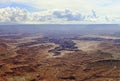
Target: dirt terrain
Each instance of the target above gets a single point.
(87, 45)
(40, 58)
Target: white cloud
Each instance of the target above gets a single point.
(13, 15)
(110, 7)
(17, 15)
(62, 11)
(4, 1)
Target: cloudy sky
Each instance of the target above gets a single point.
(59, 11)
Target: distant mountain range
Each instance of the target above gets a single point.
(71, 28)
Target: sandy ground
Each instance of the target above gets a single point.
(87, 45)
(98, 36)
(29, 39)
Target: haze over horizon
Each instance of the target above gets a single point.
(59, 12)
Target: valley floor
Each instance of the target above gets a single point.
(39, 58)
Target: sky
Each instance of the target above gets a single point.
(60, 11)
